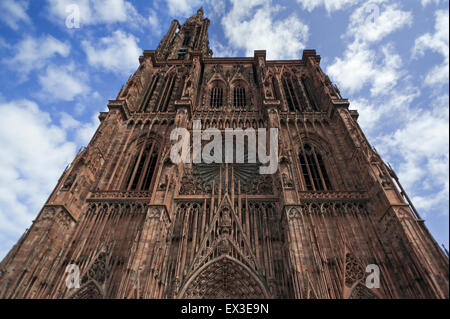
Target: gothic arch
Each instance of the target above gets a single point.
(90, 290)
(217, 77)
(244, 95)
(133, 158)
(315, 166)
(224, 277)
(142, 138)
(217, 82)
(326, 149)
(360, 291)
(317, 141)
(293, 97)
(166, 89)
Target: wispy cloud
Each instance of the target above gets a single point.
(252, 26)
(14, 13)
(117, 53)
(34, 53)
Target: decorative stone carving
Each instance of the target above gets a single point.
(224, 278)
(99, 270)
(359, 291)
(88, 291)
(225, 230)
(353, 270)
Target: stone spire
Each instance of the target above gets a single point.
(182, 40)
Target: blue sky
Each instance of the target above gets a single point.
(389, 57)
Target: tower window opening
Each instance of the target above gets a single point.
(313, 169)
(166, 94)
(150, 92)
(216, 97)
(239, 99)
(142, 168)
(308, 89)
(290, 94)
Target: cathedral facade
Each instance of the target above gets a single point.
(125, 221)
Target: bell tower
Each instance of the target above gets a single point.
(182, 40)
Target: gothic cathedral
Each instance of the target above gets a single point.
(128, 222)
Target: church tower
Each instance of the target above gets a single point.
(125, 221)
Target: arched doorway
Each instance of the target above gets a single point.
(224, 278)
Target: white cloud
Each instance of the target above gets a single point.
(427, 2)
(83, 131)
(182, 7)
(423, 143)
(34, 153)
(154, 22)
(96, 11)
(217, 8)
(373, 21)
(362, 65)
(251, 26)
(386, 77)
(63, 82)
(117, 53)
(355, 69)
(220, 50)
(14, 12)
(330, 5)
(384, 110)
(34, 53)
(436, 42)
(415, 139)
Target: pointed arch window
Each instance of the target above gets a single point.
(142, 168)
(166, 94)
(306, 82)
(239, 98)
(216, 99)
(313, 169)
(292, 96)
(276, 93)
(150, 92)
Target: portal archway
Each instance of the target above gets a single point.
(224, 278)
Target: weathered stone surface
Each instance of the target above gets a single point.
(139, 226)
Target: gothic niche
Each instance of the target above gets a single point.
(95, 278)
(165, 174)
(285, 176)
(224, 231)
(70, 180)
